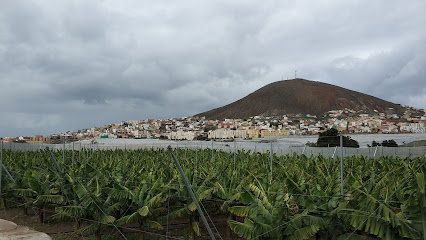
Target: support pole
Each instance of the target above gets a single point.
(341, 165)
(375, 151)
(334, 153)
(10, 177)
(271, 155)
(188, 186)
(54, 161)
(212, 152)
(63, 151)
(8, 174)
(72, 163)
(1, 168)
(235, 149)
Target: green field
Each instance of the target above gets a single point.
(108, 191)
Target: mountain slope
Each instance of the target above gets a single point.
(299, 96)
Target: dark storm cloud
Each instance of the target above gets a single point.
(73, 64)
(396, 75)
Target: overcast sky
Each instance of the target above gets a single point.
(67, 65)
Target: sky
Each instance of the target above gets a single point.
(67, 65)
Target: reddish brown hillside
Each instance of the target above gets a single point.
(298, 96)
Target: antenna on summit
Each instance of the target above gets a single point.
(295, 74)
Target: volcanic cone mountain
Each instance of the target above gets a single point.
(299, 96)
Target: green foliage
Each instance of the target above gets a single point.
(389, 143)
(331, 138)
(385, 143)
(384, 197)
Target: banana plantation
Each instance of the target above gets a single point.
(138, 193)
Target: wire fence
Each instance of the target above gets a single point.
(260, 147)
(272, 148)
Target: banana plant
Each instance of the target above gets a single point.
(41, 190)
(145, 203)
(269, 215)
(93, 205)
(365, 210)
(201, 184)
(414, 205)
(228, 194)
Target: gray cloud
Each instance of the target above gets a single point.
(68, 65)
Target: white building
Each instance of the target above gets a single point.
(181, 135)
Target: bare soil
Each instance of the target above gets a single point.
(65, 230)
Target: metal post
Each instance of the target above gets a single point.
(7, 173)
(235, 146)
(212, 152)
(341, 165)
(188, 186)
(375, 151)
(10, 176)
(1, 169)
(271, 156)
(54, 161)
(303, 149)
(334, 153)
(72, 163)
(63, 152)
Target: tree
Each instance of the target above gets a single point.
(331, 138)
(389, 143)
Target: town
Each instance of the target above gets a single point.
(193, 128)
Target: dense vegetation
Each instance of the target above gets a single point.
(331, 138)
(384, 198)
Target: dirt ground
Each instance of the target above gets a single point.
(65, 230)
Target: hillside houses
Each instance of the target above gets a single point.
(190, 128)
